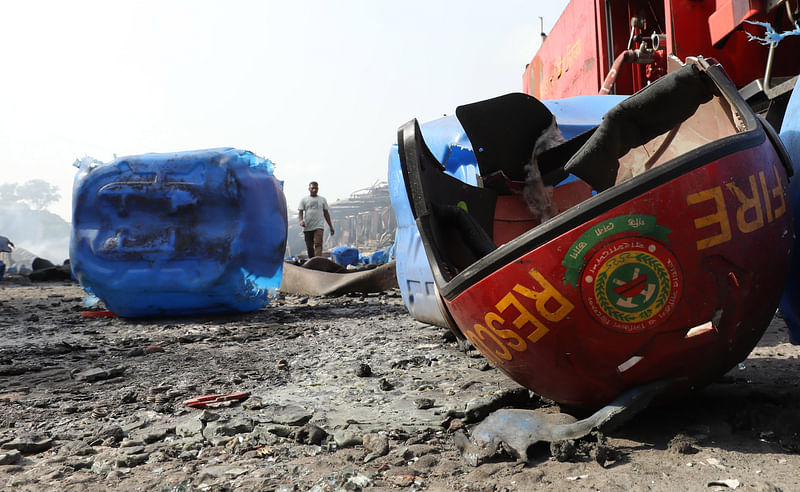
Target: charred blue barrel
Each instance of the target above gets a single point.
(790, 135)
(179, 233)
(345, 255)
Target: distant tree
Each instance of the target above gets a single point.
(36, 194)
(8, 192)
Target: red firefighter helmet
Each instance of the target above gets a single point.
(666, 257)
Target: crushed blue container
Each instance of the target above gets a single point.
(380, 257)
(450, 145)
(790, 136)
(179, 233)
(345, 255)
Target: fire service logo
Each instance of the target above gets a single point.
(629, 284)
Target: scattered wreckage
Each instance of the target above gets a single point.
(320, 276)
(179, 233)
(665, 259)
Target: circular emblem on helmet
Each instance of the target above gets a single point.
(631, 284)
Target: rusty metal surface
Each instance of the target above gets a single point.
(568, 63)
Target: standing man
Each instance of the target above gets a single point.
(312, 210)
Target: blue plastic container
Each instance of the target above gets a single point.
(790, 135)
(180, 233)
(345, 255)
(449, 143)
(380, 257)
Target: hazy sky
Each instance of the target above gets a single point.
(318, 87)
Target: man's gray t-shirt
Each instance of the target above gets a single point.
(312, 207)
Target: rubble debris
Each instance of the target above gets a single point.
(29, 444)
(477, 409)
(310, 434)
(424, 403)
(347, 439)
(97, 314)
(291, 415)
(145, 444)
(10, 457)
(376, 444)
(682, 444)
(732, 484)
(518, 430)
(98, 374)
(363, 370)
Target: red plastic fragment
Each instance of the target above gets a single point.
(202, 401)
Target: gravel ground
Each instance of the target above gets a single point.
(344, 393)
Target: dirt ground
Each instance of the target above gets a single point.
(345, 393)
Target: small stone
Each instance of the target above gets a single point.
(129, 397)
(10, 457)
(12, 370)
(113, 433)
(310, 434)
(208, 416)
(358, 482)
(132, 450)
(236, 471)
(376, 444)
(385, 385)
(101, 467)
(346, 439)
(292, 415)
(418, 450)
(455, 424)
(563, 450)
(98, 374)
(130, 443)
(682, 444)
(153, 433)
(253, 403)
(731, 483)
(29, 444)
(137, 352)
(187, 455)
(238, 425)
(68, 409)
(76, 448)
(426, 462)
(280, 430)
(190, 426)
(424, 403)
(401, 480)
(477, 409)
(213, 472)
(363, 370)
(131, 460)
